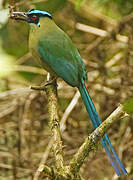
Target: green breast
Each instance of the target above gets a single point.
(56, 53)
(36, 33)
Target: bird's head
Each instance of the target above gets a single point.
(32, 16)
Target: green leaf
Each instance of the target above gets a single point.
(128, 106)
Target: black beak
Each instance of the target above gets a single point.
(20, 16)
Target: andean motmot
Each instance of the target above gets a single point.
(52, 47)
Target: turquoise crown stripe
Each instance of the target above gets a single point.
(35, 11)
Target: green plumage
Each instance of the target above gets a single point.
(56, 52)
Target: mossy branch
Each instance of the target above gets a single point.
(93, 138)
(51, 92)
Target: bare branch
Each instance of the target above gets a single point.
(68, 111)
(31, 69)
(99, 32)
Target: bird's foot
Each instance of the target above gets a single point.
(53, 81)
(43, 86)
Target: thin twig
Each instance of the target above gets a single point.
(114, 60)
(30, 69)
(7, 166)
(14, 92)
(99, 32)
(24, 58)
(9, 110)
(43, 160)
(68, 111)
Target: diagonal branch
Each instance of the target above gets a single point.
(93, 138)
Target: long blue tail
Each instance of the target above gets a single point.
(115, 161)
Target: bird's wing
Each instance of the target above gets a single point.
(58, 52)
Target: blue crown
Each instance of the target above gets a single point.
(42, 13)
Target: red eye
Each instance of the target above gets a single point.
(34, 18)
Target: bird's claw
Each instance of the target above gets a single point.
(51, 82)
(43, 86)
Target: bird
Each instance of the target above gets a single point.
(56, 53)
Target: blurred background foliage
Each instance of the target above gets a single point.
(108, 55)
